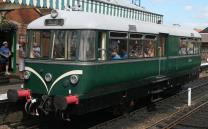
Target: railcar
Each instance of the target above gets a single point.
(81, 62)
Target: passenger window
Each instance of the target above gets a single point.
(118, 45)
(183, 46)
(149, 46)
(190, 47)
(135, 46)
(196, 46)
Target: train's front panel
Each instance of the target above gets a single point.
(52, 79)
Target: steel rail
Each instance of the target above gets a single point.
(200, 83)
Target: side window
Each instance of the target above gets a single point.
(150, 46)
(197, 46)
(189, 46)
(135, 46)
(118, 45)
(183, 46)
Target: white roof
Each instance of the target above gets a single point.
(84, 20)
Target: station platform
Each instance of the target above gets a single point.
(9, 82)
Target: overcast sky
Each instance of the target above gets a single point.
(189, 13)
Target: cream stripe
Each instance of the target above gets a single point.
(38, 75)
(74, 72)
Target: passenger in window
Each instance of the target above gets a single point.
(124, 54)
(183, 50)
(136, 50)
(190, 48)
(115, 44)
(36, 50)
(115, 55)
(151, 52)
(146, 52)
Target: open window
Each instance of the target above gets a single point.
(135, 45)
(150, 46)
(118, 45)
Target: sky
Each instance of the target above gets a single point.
(188, 13)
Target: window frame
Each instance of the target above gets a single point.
(117, 38)
(188, 40)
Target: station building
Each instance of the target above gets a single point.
(14, 19)
(204, 46)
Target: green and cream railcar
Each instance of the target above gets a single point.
(81, 62)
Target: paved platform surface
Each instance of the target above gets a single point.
(13, 83)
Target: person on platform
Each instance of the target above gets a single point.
(5, 54)
(21, 59)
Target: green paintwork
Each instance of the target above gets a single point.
(99, 76)
(14, 41)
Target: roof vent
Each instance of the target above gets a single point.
(77, 8)
(177, 25)
(132, 28)
(159, 22)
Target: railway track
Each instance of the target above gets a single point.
(196, 119)
(180, 117)
(164, 109)
(140, 118)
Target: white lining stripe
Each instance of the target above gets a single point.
(74, 72)
(38, 75)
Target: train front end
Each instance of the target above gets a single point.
(53, 75)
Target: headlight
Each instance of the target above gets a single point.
(54, 13)
(48, 77)
(26, 75)
(74, 79)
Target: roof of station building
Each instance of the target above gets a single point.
(125, 3)
(204, 31)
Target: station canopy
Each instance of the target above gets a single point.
(118, 8)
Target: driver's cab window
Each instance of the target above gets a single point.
(59, 45)
(39, 45)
